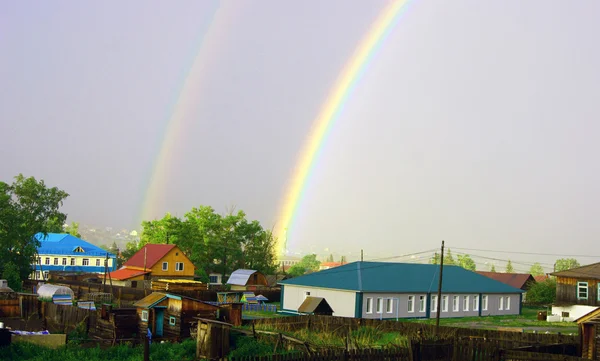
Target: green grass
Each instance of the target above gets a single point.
(23, 351)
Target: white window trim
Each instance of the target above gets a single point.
(64, 261)
(144, 315)
(172, 321)
(73, 262)
(582, 285)
(379, 305)
(411, 304)
(444, 303)
(165, 266)
(475, 303)
(508, 303)
(177, 266)
(434, 303)
(83, 262)
(484, 303)
(55, 261)
(47, 260)
(97, 262)
(389, 305)
(455, 303)
(369, 305)
(466, 303)
(422, 304)
(501, 304)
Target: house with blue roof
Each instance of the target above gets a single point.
(386, 290)
(66, 253)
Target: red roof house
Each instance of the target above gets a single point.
(516, 280)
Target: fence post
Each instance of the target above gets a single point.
(146, 348)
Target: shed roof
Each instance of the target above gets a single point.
(310, 304)
(592, 316)
(400, 277)
(240, 277)
(591, 271)
(516, 280)
(66, 244)
(126, 273)
(157, 297)
(149, 255)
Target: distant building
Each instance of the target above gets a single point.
(247, 280)
(521, 281)
(577, 292)
(66, 253)
(328, 265)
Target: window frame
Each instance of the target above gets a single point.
(85, 262)
(47, 261)
(64, 261)
(97, 262)
(434, 303)
(410, 305)
(455, 303)
(389, 305)
(56, 261)
(580, 286)
(507, 303)
(466, 303)
(422, 304)
(379, 305)
(165, 266)
(484, 302)
(475, 303)
(72, 261)
(369, 305)
(146, 314)
(445, 303)
(172, 321)
(177, 266)
(501, 304)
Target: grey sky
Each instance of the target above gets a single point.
(475, 122)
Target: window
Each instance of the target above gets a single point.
(444, 303)
(484, 302)
(455, 305)
(165, 266)
(40, 260)
(466, 303)
(565, 314)
(507, 303)
(64, 261)
(379, 304)
(582, 290)
(389, 305)
(213, 279)
(172, 321)
(501, 303)
(475, 303)
(306, 294)
(145, 316)
(421, 303)
(369, 305)
(411, 303)
(179, 266)
(72, 261)
(56, 261)
(86, 262)
(78, 250)
(98, 262)
(434, 303)
(47, 260)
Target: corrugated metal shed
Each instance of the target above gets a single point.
(400, 277)
(240, 277)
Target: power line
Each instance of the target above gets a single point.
(526, 253)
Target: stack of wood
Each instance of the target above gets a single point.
(165, 285)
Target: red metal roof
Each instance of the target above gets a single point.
(516, 280)
(126, 273)
(152, 252)
(541, 278)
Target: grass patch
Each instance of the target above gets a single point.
(23, 351)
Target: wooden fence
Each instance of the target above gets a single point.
(64, 319)
(333, 355)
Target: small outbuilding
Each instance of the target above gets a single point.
(247, 280)
(9, 302)
(169, 315)
(315, 306)
(58, 294)
(589, 333)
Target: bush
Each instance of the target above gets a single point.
(542, 293)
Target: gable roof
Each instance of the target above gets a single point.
(126, 273)
(240, 277)
(541, 278)
(66, 244)
(591, 271)
(312, 304)
(516, 280)
(157, 297)
(400, 277)
(151, 252)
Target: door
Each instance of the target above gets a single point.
(160, 315)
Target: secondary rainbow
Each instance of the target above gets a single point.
(328, 114)
(155, 193)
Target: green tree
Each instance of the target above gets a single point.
(307, 264)
(435, 259)
(330, 258)
(564, 264)
(27, 207)
(448, 259)
(542, 293)
(509, 267)
(493, 269)
(537, 269)
(466, 262)
(73, 230)
(343, 260)
(11, 274)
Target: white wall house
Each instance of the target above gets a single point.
(400, 290)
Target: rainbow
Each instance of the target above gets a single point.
(153, 202)
(330, 111)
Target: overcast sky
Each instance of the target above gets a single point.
(476, 122)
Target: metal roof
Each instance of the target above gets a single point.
(591, 271)
(149, 255)
(400, 278)
(66, 244)
(310, 304)
(240, 277)
(150, 300)
(516, 280)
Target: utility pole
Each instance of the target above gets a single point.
(361, 255)
(439, 293)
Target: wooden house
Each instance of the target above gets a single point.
(171, 316)
(115, 324)
(152, 262)
(589, 333)
(247, 280)
(577, 292)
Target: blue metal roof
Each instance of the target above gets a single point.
(400, 278)
(240, 277)
(66, 244)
